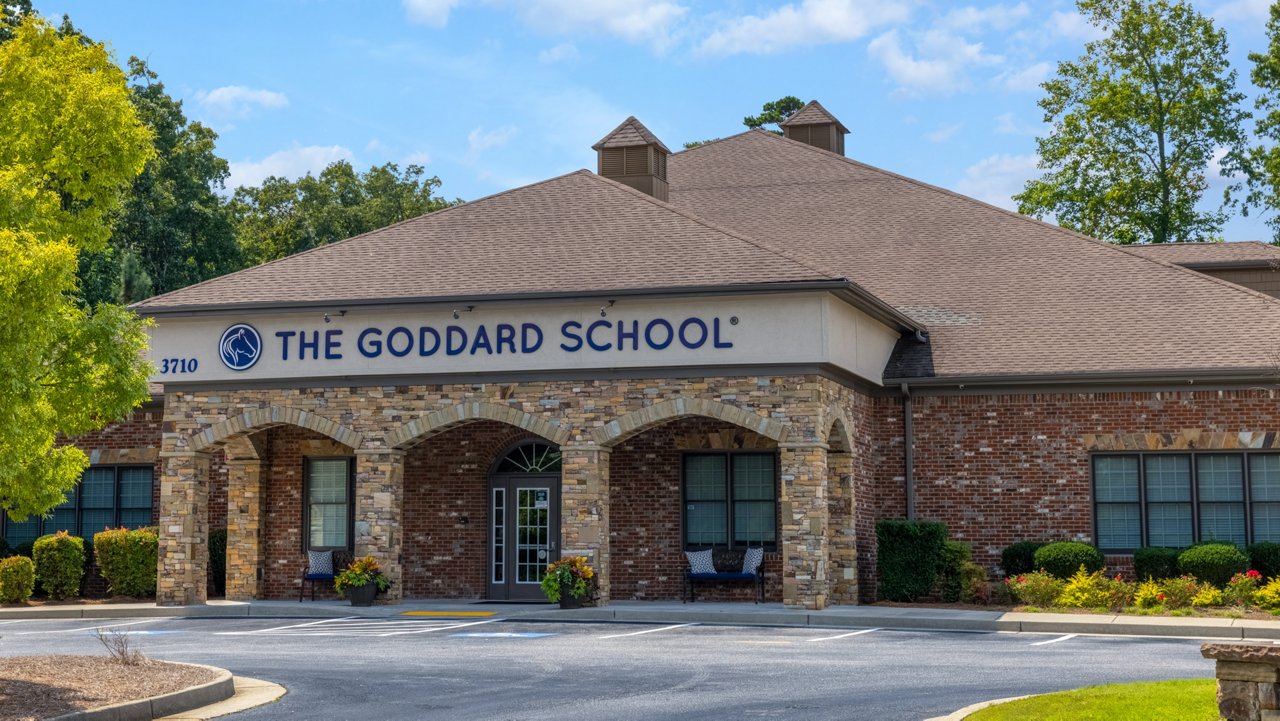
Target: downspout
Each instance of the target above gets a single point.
(908, 453)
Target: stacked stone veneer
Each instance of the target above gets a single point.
(381, 425)
(1248, 680)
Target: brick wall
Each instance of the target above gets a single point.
(645, 538)
(446, 509)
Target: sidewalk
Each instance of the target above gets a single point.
(733, 614)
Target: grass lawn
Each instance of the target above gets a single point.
(1183, 700)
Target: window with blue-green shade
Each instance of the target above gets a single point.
(105, 497)
(731, 499)
(1116, 495)
(329, 503)
(1264, 491)
(1220, 484)
(1168, 480)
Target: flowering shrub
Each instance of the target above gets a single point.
(361, 572)
(1148, 594)
(1242, 587)
(1037, 588)
(572, 574)
(17, 579)
(1269, 595)
(1085, 590)
(1208, 595)
(1179, 591)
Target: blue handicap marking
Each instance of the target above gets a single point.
(496, 634)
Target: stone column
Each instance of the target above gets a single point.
(245, 495)
(584, 504)
(1248, 680)
(804, 512)
(182, 568)
(842, 537)
(379, 505)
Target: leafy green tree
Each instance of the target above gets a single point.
(1266, 158)
(774, 113)
(1136, 121)
(282, 217)
(72, 146)
(12, 13)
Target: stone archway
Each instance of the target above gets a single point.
(655, 415)
(437, 421)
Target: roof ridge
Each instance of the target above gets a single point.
(735, 234)
(148, 301)
(713, 141)
(1026, 218)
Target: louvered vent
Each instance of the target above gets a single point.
(813, 125)
(637, 160)
(662, 164)
(632, 156)
(612, 162)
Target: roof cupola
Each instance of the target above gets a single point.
(813, 125)
(633, 156)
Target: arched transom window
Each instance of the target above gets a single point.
(531, 458)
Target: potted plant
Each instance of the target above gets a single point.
(362, 579)
(571, 580)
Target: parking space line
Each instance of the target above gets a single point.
(447, 614)
(1055, 640)
(92, 628)
(281, 628)
(649, 630)
(844, 635)
(439, 628)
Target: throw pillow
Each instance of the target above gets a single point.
(700, 561)
(752, 559)
(320, 562)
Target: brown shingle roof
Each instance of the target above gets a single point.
(813, 114)
(630, 133)
(1200, 255)
(575, 233)
(999, 292)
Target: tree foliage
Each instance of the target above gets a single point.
(1266, 158)
(72, 145)
(1136, 121)
(283, 217)
(773, 113)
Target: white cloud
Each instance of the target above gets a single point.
(375, 145)
(1028, 78)
(559, 53)
(238, 101)
(648, 22)
(939, 65)
(1073, 26)
(420, 157)
(432, 13)
(292, 163)
(995, 179)
(480, 140)
(809, 23)
(943, 133)
(1007, 124)
(972, 19)
(1256, 10)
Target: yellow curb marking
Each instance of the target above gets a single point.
(448, 613)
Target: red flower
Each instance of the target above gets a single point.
(1160, 597)
(1253, 574)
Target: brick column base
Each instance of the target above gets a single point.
(584, 503)
(378, 509)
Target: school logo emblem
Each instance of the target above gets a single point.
(240, 347)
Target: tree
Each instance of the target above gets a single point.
(1136, 122)
(771, 114)
(283, 217)
(1266, 158)
(72, 145)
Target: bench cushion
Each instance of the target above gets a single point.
(723, 576)
(700, 562)
(318, 577)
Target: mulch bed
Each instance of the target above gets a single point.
(40, 687)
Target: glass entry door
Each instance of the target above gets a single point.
(524, 522)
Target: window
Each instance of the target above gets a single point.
(1176, 499)
(730, 499)
(106, 497)
(329, 489)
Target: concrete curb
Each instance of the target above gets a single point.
(219, 689)
(971, 709)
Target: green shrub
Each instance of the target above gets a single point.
(951, 570)
(218, 560)
(1179, 592)
(1264, 557)
(1213, 562)
(59, 560)
(909, 555)
(24, 549)
(1155, 562)
(127, 559)
(1020, 557)
(1063, 558)
(1268, 596)
(1242, 588)
(17, 579)
(1148, 594)
(975, 584)
(1085, 590)
(1208, 595)
(1035, 588)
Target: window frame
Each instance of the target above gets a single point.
(306, 503)
(1193, 457)
(44, 525)
(729, 499)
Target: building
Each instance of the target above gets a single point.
(757, 341)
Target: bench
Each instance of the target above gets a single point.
(722, 565)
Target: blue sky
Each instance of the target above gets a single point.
(491, 94)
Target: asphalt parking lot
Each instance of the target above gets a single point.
(485, 668)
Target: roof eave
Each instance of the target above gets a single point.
(1262, 377)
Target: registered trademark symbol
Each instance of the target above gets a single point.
(733, 320)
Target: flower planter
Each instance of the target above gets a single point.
(567, 601)
(363, 595)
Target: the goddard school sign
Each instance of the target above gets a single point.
(754, 330)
